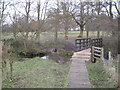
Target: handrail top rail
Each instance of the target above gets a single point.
(82, 38)
(88, 38)
(96, 38)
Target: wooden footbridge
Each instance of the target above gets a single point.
(78, 75)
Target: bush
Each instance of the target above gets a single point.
(17, 44)
(6, 41)
(14, 44)
(110, 43)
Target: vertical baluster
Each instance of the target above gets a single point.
(80, 44)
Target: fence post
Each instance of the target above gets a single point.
(110, 59)
(102, 54)
(92, 51)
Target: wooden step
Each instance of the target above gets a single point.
(84, 54)
(80, 59)
(81, 56)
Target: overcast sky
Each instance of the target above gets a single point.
(51, 3)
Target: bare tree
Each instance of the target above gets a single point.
(41, 11)
(57, 21)
(2, 13)
(14, 20)
(112, 4)
(66, 16)
(87, 28)
(27, 11)
(98, 9)
(3, 6)
(81, 21)
(25, 28)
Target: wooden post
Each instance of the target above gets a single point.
(102, 54)
(92, 49)
(92, 52)
(101, 42)
(110, 59)
(80, 44)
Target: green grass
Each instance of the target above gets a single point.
(115, 64)
(38, 73)
(98, 77)
(45, 36)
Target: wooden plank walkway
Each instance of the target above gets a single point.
(78, 76)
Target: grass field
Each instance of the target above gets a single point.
(98, 76)
(38, 73)
(46, 35)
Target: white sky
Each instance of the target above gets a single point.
(51, 2)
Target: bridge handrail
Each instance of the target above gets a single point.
(84, 43)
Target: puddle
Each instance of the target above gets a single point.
(44, 57)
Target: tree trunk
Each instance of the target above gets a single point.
(98, 34)
(57, 22)
(98, 12)
(25, 45)
(37, 38)
(15, 37)
(27, 26)
(87, 32)
(81, 32)
(66, 16)
(56, 34)
(38, 27)
(66, 30)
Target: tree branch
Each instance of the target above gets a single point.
(75, 19)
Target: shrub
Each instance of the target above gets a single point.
(10, 56)
(110, 43)
(17, 44)
(7, 41)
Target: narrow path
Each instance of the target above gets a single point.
(78, 76)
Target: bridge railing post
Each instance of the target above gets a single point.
(92, 54)
(102, 54)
